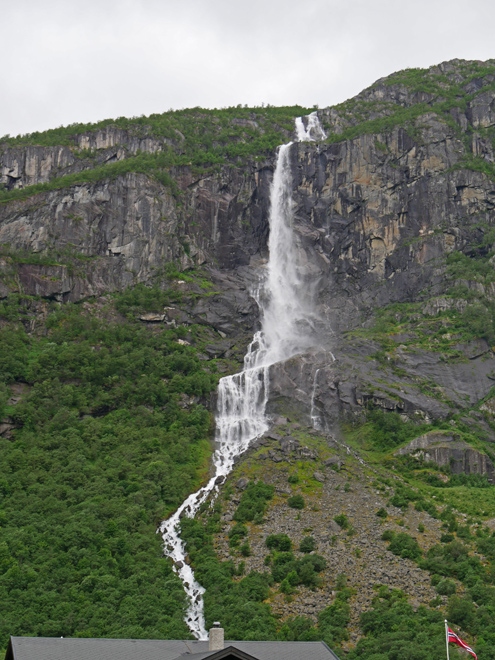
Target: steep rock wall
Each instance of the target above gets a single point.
(376, 226)
(376, 217)
(444, 450)
(131, 227)
(31, 165)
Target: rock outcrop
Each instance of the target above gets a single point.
(444, 450)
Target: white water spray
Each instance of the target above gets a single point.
(288, 328)
(312, 131)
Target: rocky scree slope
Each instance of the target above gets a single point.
(335, 485)
(373, 527)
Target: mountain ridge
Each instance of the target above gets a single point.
(394, 217)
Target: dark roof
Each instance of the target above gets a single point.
(67, 648)
(228, 653)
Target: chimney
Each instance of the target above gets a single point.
(216, 637)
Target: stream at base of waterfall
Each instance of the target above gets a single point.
(287, 322)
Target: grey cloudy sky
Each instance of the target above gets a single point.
(65, 61)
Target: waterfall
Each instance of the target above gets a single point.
(288, 328)
(312, 131)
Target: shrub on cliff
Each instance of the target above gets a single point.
(306, 569)
(298, 629)
(446, 587)
(487, 547)
(388, 535)
(405, 546)
(253, 502)
(236, 533)
(278, 542)
(333, 620)
(388, 430)
(341, 520)
(462, 612)
(296, 502)
(308, 544)
(256, 586)
(394, 630)
(453, 560)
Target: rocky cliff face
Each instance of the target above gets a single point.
(133, 226)
(32, 165)
(403, 182)
(378, 217)
(444, 450)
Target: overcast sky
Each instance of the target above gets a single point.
(66, 61)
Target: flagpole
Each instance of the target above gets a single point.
(447, 638)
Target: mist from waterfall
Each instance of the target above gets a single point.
(287, 328)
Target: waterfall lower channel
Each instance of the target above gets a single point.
(288, 328)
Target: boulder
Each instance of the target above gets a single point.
(333, 461)
(152, 318)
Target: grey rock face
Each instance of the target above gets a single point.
(129, 226)
(26, 166)
(364, 223)
(444, 450)
(289, 444)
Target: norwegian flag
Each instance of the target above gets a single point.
(455, 639)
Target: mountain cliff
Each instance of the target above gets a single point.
(162, 223)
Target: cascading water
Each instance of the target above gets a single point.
(312, 131)
(287, 322)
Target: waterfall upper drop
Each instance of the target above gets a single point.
(312, 131)
(286, 310)
(287, 328)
